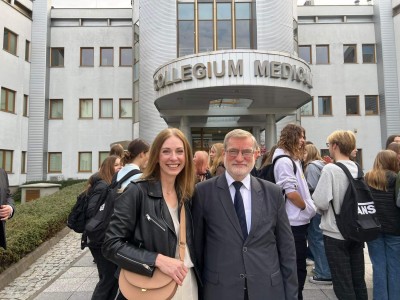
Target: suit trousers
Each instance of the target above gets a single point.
(300, 240)
(346, 261)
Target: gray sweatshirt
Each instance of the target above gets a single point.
(313, 173)
(332, 186)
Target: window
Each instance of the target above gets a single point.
(125, 108)
(106, 108)
(23, 162)
(85, 162)
(7, 100)
(206, 28)
(368, 52)
(324, 106)
(305, 53)
(10, 41)
(27, 50)
(102, 156)
(352, 105)
(185, 29)
(86, 108)
(350, 54)
(322, 54)
(57, 57)
(25, 108)
(307, 109)
(55, 162)
(56, 109)
(243, 25)
(371, 105)
(125, 56)
(87, 57)
(6, 158)
(106, 57)
(324, 152)
(224, 26)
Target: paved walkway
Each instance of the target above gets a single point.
(67, 273)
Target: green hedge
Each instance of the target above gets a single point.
(36, 222)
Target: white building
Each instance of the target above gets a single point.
(253, 64)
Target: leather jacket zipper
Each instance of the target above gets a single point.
(154, 221)
(146, 266)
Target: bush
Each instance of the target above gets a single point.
(36, 222)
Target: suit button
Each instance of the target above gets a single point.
(244, 249)
(242, 276)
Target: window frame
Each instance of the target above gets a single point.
(80, 111)
(328, 54)
(355, 53)
(8, 41)
(79, 162)
(310, 53)
(374, 53)
(81, 52)
(52, 55)
(350, 97)
(49, 155)
(119, 108)
(3, 163)
(8, 91)
(330, 102)
(101, 57)
(120, 57)
(25, 106)
(52, 101)
(377, 105)
(100, 106)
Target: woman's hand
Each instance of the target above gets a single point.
(174, 268)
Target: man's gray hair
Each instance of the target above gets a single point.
(239, 133)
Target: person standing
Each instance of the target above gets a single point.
(7, 207)
(345, 257)
(243, 241)
(385, 250)
(217, 159)
(300, 207)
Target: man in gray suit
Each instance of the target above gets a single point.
(7, 207)
(243, 241)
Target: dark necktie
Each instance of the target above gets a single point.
(239, 207)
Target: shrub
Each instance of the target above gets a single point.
(35, 222)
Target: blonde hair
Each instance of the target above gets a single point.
(218, 158)
(386, 160)
(345, 140)
(185, 180)
(312, 154)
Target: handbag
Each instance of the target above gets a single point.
(160, 286)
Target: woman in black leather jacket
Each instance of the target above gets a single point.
(143, 232)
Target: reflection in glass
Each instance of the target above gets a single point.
(322, 55)
(368, 53)
(186, 11)
(305, 53)
(126, 56)
(223, 11)
(243, 31)
(243, 11)
(352, 105)
(224, 34)
(186, 38)
(324, 106)
(206, 41)
(205, 11)
(307, 109)
(106, 56)
(371, 105)
(349, 53)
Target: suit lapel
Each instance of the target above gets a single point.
(226, 200)
(257, 198)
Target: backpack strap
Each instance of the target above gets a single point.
(126, 177)
(347, 172)
(284, 155)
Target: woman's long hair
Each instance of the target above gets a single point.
(135, 147)
(218, 158)
(312, 154)
(385, 161)
(185, 180)
(289, 140)
(106, 172)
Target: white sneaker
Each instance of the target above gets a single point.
(309, 262)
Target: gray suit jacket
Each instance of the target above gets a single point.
(266, 259)
(5, 198)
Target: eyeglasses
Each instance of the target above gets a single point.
(247, 153)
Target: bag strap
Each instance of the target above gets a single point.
(182, 233)
(284, 155)
(126, 177)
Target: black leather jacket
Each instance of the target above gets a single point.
(142, 227)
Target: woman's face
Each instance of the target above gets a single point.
(212, 153)
(172, 157)
(117, 165)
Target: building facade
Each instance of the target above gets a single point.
(79, 79)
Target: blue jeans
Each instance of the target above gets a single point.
(316, 245)
(385, 257)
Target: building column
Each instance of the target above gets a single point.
(270, 132)
(185, 128)
(256, 133)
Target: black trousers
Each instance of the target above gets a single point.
(300, 240)
(346, 261)
(107, 287)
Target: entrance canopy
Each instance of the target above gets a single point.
(232, 88)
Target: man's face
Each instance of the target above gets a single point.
(239, 157)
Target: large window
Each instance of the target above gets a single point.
(106, 57)
(87, 57)
(125, 108)
(86, 108)
(7, 100)
(25, 107)
(243, 25)
(106, 108)
(368, 53)
(56, 109)
(85, 162)
(350, 53)
(307, 109)
(322, 54)
(23, 162)
(186, 29)
(224, 26)
(27, 50)
(10, 41)
(371, 105)
(57, 57)
(55, 162)
(324, 106)
(125, 56)
(352, 106)
(305, 53)
(6, 158)
(206, 27)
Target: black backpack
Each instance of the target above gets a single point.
(77, 217)
(267, 172)
(357, 220)
(96, 227)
